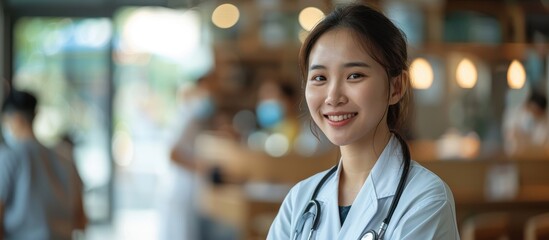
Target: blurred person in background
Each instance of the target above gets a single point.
(179, 206)
(40, 191)
(276, 108)
(277, 113)
(357, 89)
(526, 128)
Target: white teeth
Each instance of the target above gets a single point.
(338, 118)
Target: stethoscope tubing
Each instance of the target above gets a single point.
(315, 203)
(385, 223)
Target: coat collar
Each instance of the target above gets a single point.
(381, 183)
(384, 176)
(386, 172)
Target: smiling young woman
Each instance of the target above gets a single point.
(354, 66)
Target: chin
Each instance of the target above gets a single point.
(339, 141)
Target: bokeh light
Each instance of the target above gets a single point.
(466, 74)
(277, 145)
(421, 73)
(225, 15)
(516, 76)
(309, 17)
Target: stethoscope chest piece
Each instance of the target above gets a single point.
(370, 235)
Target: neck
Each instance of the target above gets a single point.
(358, 159)
(357, 162)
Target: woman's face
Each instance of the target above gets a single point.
(346, 89)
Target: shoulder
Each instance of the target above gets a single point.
(426, 209)
(57, 155)
(425, 186)
(7, 157)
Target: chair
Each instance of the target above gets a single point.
(486, 226)
(537, 227)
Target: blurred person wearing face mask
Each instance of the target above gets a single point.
(527, 128)
(40, 191)
(276, 109)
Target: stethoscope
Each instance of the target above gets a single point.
(369, 235)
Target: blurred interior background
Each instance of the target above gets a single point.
(118, 76)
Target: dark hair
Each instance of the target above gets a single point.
(20, 102)
(382, 39)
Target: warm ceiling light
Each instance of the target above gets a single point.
(466, 74)
(516, 76)
(309, 17)
(225, 15)
(421, 74)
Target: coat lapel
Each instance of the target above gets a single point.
(381, 183)
(329, 197)
(363, 210)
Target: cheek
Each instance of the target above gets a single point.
(310, 98)
(371, 97)
(375, 94)
(314, 102)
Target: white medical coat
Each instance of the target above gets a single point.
(425, 211)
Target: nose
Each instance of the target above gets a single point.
(336, 95)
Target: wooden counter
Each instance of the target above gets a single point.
(468, 182)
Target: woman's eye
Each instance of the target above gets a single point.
(318, 78)
(355, 76)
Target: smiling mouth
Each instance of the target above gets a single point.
(340, 117)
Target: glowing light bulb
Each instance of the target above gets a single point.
(466, 74)
(516, 76)
(421, 73)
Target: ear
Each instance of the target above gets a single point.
(399, 86)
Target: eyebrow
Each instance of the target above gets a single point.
(356, 64)
(346, 65)
(316, 66)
